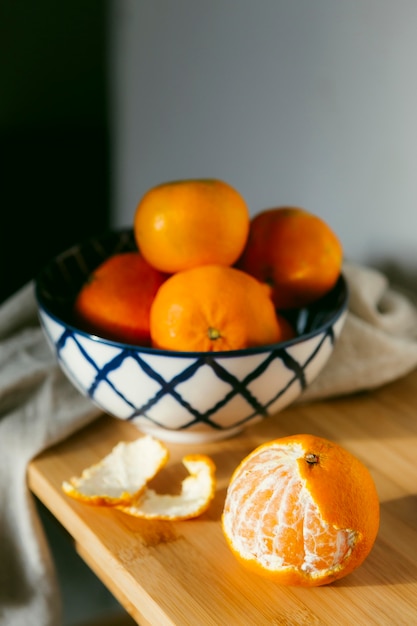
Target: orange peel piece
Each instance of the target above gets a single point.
(197, 491)
(121, 476)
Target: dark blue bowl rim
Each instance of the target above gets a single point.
(339, 293)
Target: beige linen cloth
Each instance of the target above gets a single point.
(38, 408)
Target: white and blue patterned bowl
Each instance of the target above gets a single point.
(180, 396)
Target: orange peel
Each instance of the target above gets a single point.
(197, 491)
(121, 475)
(120, 480)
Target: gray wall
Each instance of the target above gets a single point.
(294, 102)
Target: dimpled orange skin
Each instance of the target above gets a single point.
(115, 301)
(213, 308)
(295, 252)
(182, 224)
(341, 488)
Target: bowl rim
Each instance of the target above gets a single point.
(341, 285)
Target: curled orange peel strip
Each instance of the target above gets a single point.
(121, 475)
(120, 480)
(197, 491)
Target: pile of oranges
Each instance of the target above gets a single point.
(205, 277)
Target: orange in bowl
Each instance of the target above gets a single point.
(182, 224)
(115, 300)
(213, 308)
(295, 252)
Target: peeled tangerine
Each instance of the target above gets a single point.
(120, 479)
(301, 510)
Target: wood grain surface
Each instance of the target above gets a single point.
(183, 574)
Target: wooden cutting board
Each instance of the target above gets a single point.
(183, 574)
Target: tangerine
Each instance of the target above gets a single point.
(213, 308)
(294, 251)
(301, 510)
(115, 301)
(182, 224)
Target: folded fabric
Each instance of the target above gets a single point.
(39, 407)
(379, 340)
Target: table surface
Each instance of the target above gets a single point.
(183, 573)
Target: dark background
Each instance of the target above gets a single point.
(54, 135)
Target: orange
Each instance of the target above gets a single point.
(301, 510)
(295, 252)
(182, 224)
(115, 302)
(213, 308)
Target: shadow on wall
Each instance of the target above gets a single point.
(54, 147)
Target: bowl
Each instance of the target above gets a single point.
(180, 396)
